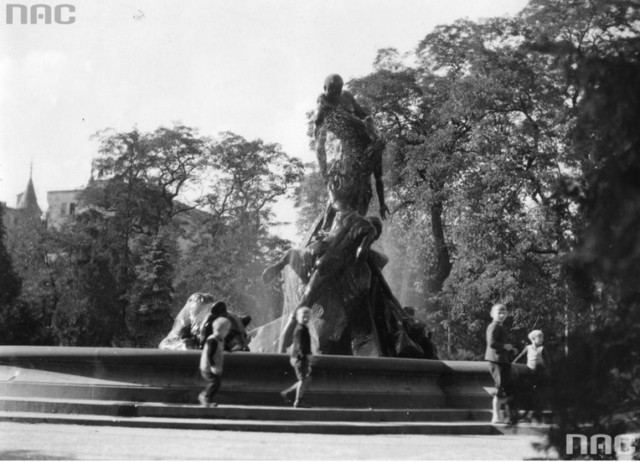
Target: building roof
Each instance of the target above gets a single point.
(28, 200)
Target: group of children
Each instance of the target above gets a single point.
(497, 355)
(211, 359)
(532, 384)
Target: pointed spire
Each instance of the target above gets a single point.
(28, 200)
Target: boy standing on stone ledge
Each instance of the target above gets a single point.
(300, 357)
(499, 364)
(211, 360)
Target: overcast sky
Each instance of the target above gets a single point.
(254, 67)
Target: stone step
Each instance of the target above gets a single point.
(298, 426)
(155, 388)
(238, 412)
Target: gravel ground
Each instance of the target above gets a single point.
(20, 441)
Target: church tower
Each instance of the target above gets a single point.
(27, 201)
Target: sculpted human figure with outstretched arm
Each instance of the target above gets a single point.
(347, 174)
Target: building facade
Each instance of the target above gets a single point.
(63, 206)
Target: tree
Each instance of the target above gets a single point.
(10, 284)
(246, 177)
(310, 198)
(243, 180)
(598, 49)
(145, 173)
(134, 200)
(418, 173)
(88, 312)
(479, 131)
(149, 314)
(28, 244)
(17, 323)
(525, 132)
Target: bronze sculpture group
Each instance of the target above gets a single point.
(336, 273)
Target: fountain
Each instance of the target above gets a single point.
(371, 353)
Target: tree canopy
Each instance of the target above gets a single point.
(168, 213)
(511, 174)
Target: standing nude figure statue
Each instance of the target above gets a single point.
(349, 150)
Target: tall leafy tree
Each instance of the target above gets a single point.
(597, 47)
(18, 324)
(89, 309)
(244, 179)
(149, 314)
(310, 198)
(10, 283)
(144, 173)
(508, 229)
(529, 146)
(134, 200)
(479, 130)
(29, 244)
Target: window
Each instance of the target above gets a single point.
(72, 208)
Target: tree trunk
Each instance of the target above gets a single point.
(442, 267)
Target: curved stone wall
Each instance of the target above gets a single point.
(151, 375)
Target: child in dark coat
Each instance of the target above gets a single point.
(211, 360)
(300, 357)
(499, 364)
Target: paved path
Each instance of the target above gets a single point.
(69, 442)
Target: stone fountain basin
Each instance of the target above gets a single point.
(152, 375)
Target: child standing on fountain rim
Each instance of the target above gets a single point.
(300, 357)
(499, 364)
(211, 360)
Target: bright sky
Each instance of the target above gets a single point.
(254, 67)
